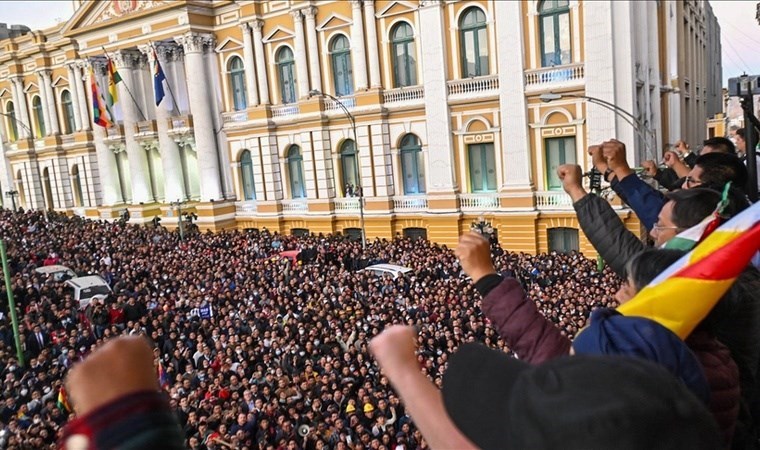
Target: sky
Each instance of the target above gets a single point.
(740, 32)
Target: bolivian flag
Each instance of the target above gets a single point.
(63, 400)
(113, 79)
(682, 296)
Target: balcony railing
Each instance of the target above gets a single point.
(553, 200)
(295, 205)
(181, 122)
(550, 76)
(404, 94)
(285, 110)
(347, 204)
(410, 204)
(478, 201)
(246, 208)
(479, 85)
(234, 117)
(334, 105)
(67, 139)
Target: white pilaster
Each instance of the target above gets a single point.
(74, 89)
(203, 123)
(434, 56)
(382, 159)
(311, 31)
(84, 105)
(515, 143)
(138, 161)
(44, 102)
(250, 73)
(599, 70)
(21, 109)
(357, 46)
(108, 175)
(374, 57)
(261, 71)
(302, 69)
(54, 127)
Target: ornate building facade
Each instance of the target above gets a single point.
(278, 113)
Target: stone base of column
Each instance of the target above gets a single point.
(260, 112)
(142, 214)
(215, 216)
(111, 212)
(370, 97)
(517, 198)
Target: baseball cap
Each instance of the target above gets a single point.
(611, 333)
(574, 402)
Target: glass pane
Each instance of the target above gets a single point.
(343, 74)
(411, 64)
(349, 170)
(469, 69)
(490, 167)
(249, 190)
(409, 172)
(477, 177)
(238, 91)
(287, 81)
(420, 173)
(482, 52)
(547, 41)
(558, 151)
(297, 188)
(564, 38)
(399, 64)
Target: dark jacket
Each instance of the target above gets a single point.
(535, 339)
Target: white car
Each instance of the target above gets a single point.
(380, 270)
(89, 288)
(57, 271)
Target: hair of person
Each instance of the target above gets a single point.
(739, 132)
(720, 168)
(720, 144)
(646, 265)
(691, 206)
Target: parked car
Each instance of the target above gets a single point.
(57, 271)
(89, 288)
(380, 270)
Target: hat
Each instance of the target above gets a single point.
(350, 408)
(368, 407)
(574, 402)
(610, 333)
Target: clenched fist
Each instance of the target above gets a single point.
(571, 176)
(614, 153)
(650, 167)
(474, 253)
(394, 348)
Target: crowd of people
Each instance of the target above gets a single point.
(254, 350)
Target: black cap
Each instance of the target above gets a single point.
(574, 402)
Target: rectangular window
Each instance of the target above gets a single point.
(558, 151)
(563, 240)
(482, 168)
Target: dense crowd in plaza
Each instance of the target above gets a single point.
(284, 344)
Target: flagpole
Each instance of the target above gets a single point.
(169, 85)
(137, 105)
(11, 304)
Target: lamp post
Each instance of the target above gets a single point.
(352, 120)
(178, 207)
(643, 131)
(12, 194)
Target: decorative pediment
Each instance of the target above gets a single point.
(31, 87)
(4, 92)
(279, 34)
(60, 81)
(92, 14)
(228, 44)
(334, 21)
(396, 8)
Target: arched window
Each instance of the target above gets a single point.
(11, 118)
(237, 83)
(412, 165)
(285, 70)
(482, 167)
(39, 116)
(349, 163)
(554, 17)
(473, 43)
(340, 53)
(404, 55)
(295, 169)
(246, 169)
(68, 112)
(76, 183)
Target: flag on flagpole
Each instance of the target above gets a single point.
(158, 79)
(683, 295)
(63, 400)
(99, 112)
(163, 377)
(113, 79)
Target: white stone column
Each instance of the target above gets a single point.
(20, 106)
(311, 35)
(108, 176)
(84, 105)
(138, 161)
(599, 70)
(515, 143)
(44, 102)
(302, 69)
(250, 73)
(75, 87)
(357, 46)
(171, 162)
(440, 173)
(261, 70)
(54, 127)
(374, 57)
(203, 123)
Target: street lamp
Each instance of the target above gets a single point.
(352, 120)
(12, 195)
(178, 207)
(643, 131)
